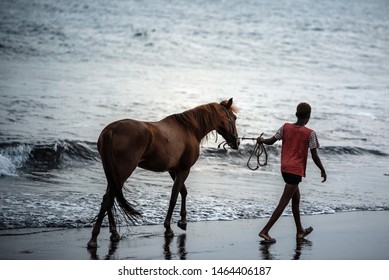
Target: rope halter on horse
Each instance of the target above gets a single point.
(232, 128)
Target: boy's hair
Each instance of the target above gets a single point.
(303, 110)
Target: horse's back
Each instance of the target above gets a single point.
(125, 133)
(122, 144)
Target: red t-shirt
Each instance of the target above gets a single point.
(295, 143)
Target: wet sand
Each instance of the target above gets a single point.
(340, 236)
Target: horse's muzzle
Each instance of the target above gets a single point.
(234, 144)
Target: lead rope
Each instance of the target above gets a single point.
(258, 151)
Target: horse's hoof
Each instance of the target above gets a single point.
(92, 245)
(115, 237)
(169, 233)
(181, 225)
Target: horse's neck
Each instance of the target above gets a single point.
(208, 126)
(205, 117)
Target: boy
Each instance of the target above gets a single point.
(296, 139)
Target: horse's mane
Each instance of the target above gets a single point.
(201, 117)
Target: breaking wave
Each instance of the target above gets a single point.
(26, 157)
(16, 157)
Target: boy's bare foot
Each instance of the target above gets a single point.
(305, 233)
(266, 238)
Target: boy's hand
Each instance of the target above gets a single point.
(260, 139)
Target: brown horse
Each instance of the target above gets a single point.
(171, 144)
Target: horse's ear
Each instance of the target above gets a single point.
(230, 102)
(228, 105)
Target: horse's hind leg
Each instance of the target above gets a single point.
(115, 236)
(106, 205)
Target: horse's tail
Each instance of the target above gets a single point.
(106, 152)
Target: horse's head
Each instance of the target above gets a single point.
(227, 127)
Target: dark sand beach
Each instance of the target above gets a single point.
(340, 236)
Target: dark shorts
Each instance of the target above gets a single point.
(291, 179)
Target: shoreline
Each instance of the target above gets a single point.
(339, 236)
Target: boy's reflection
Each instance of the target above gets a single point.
(301, 245)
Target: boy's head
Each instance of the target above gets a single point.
(303, 111)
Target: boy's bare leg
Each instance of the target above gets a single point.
(289, 190)
(300, 231)
(296, 212)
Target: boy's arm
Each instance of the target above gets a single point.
(317, 161)
(268, 141)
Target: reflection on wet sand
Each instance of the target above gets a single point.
(181, 242)
(113, 246)
(167, 249)
(301, 246)
(177, 250)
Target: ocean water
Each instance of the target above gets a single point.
(68, 68)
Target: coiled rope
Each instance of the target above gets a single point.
(257, 152)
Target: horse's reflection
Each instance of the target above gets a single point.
(181, 243)
(167, 251)
(111, 252)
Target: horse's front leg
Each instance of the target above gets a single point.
(181, 223)
(179, 180)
